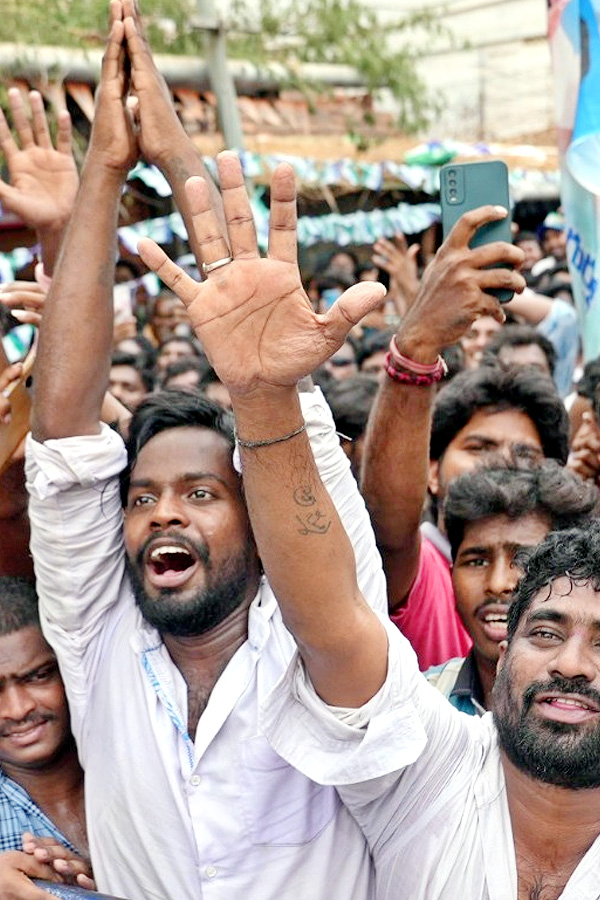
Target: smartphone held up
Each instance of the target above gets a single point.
(466, 186)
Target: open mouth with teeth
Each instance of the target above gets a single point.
(494, 621)
(567, 708)
(170, 565)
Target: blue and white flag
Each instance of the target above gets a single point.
(575, 44)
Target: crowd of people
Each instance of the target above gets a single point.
(299, 576)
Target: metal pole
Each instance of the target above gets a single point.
(221, 79)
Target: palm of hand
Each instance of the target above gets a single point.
(257, 325)
(44, 186)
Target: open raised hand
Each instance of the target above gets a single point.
(252, 315)
(400, 262)
(43, 178)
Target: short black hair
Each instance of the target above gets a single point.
(526, 236)
(137, 362)
(590, 379)
(18, 604)
(347, 252)
(172, 409)
(331, 280)
(199, 364)
(454, 357)
(209, 377)
(147, 351)
(516, 490)
(133, 267)
(374, 343)
(572, 554)
(519, 336)
(181, 339)
(495, 390)
(350, 401)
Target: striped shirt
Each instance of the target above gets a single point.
(18, 813)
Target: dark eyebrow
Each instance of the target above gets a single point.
(51, 661)
(548, 615)
(480, 437)
(473, 548)
(553, 615)
(510, 545)
(187, 476)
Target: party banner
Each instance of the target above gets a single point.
(575, 44)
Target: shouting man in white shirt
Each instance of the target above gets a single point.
(185, 798)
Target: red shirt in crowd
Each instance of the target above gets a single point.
(428, 618)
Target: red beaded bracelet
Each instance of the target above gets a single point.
(411, 365)
(412, 377)
(402, 369)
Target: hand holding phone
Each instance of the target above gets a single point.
(466, 186)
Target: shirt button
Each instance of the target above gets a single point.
(195, 780)
(210, 871)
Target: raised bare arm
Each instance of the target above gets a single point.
(261, 334)
(76, 333)
(396, 458)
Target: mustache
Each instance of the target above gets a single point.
(559, 685)
(31, 718)
(495, 601)
(197, 549)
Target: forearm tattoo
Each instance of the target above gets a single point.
(311, 520)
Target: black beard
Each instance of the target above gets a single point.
(559, 753)
(222, 593)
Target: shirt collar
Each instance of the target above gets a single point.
(439, 540)
(468, 683)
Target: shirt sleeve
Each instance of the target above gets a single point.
(77, 544)
(561, 326)
(368, 749)
(334, 469)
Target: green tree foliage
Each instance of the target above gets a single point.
(82, 23)
(272, 31)
(339, 32)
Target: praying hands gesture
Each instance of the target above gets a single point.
(251, 314)
(114, 144)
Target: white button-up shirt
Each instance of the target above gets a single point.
(216, 816)
(438, 829)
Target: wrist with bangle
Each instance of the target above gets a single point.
(404, 370)
(268, 442)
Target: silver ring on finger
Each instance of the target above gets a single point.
(210, 267)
